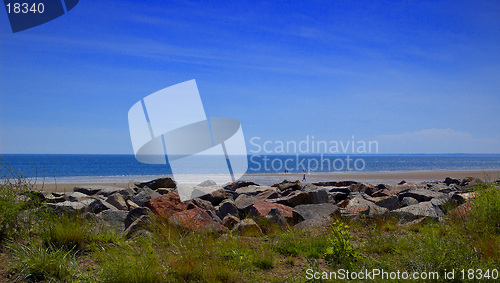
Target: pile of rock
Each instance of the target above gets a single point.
(232, 207)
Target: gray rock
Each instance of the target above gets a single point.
(141, 223)
(75, 196)
(345, 190)
(323, 211)
(247, 227)
(108, 190)
(294, 199)
(214, 215)
(88, 190)
(268, 194)
(227, 207)
(252, 190)
(114, 219)
(99, 205)
(97, 189)
(135, 214)
(360, 205)
(244, 202)
(415, 211)
(239, 184)
(132, 205)
(69, 207)
(144, 195)
(200, 191)
(51, 198)
(407, 201)
(158, 183)
(318, 196)
(117, 201)
(215, 196)
(339, 196)
(204, 204)
(127, 193)
(275, 217)
(421, 194)
(389, 202)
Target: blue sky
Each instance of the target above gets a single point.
(417, 76)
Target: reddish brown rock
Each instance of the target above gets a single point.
(198, 220)
(262, 208)
(166, 205)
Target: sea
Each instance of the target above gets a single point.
(122, 168)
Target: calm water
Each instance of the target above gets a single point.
(114, 166)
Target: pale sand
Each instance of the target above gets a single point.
(269, 179)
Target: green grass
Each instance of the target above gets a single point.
(35, 262)
(73, 232)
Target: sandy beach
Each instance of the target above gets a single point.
(269, 179)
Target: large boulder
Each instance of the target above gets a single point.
(158, 183)
(197, 219)
(99, 205)
(423, 209)
(294, 199)
(252, 190)
(239, 184)
(389, 202)
(247, 227)
(69, 207)
(198, 202)
(275, 217)
(268, 194)
(117, 200)
(166, 205)
(323, 211)
(318, 196)
(144, 195)
(407, 201)
(88, 190)
(227, 207)
(262, 208)
(449, 181)
(75, 196)
(136, 213)
(127, 193)
(114, 219)
(215, 196)
(288, 185)
(421, 195)
(361, 206)
(141, 223)
(244, 202)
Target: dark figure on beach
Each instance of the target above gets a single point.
(304, 178)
